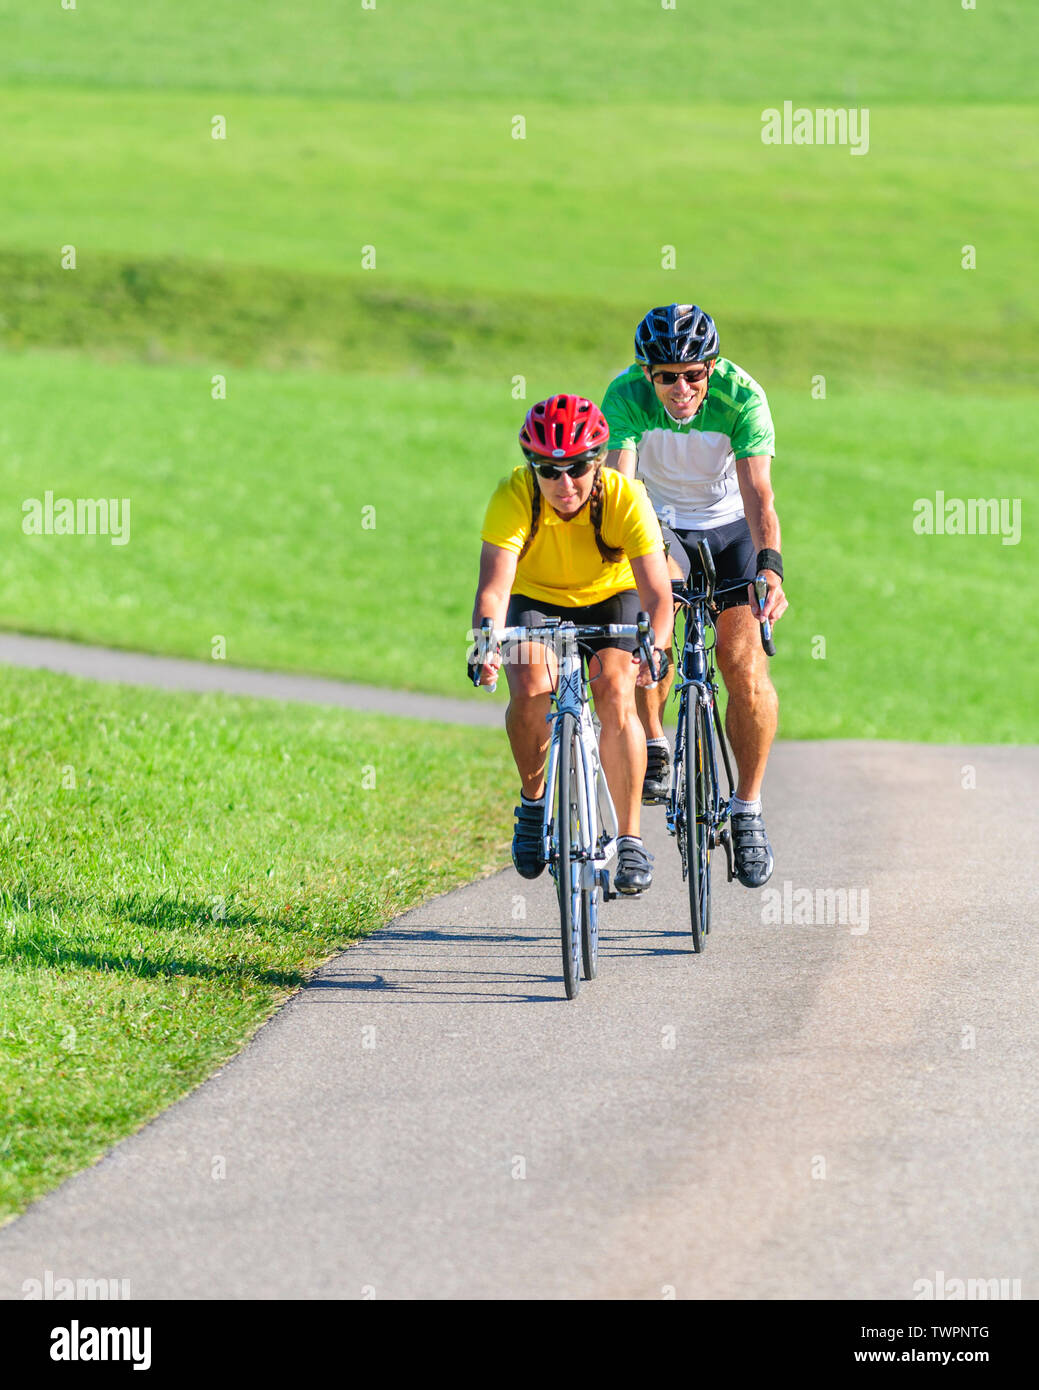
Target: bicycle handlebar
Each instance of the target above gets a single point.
(490, 637)
(711, 594)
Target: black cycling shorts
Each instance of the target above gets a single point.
(623, 607)
(732, 549)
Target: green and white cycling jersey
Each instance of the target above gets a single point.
(689, 469)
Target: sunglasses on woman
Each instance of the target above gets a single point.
(669, 378)
(552, 472)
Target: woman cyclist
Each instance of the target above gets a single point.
(565, 537)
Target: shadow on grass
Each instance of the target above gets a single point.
(55, 947)
(503, 972)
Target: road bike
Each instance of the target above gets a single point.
(696, 811)
(579, 830)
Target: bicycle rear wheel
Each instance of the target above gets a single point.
(697, 827)
(567, 869)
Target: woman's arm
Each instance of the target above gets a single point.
(497, 571)
(653, 582)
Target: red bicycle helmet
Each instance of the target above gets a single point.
(563, 427)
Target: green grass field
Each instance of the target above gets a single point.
(586, 51)
(246, 524)
(173, 866)
(806, 255)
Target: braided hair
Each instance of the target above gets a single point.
(535, 510)
(611, 554)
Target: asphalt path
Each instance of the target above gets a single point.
(180, 673)
(812, 1108)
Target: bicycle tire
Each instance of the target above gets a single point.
(696, 827)
(566, 878)
(590, 932)
(591, 901)
(710, 799)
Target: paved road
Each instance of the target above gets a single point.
(808, 1109)
(178, 673)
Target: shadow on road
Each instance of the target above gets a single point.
(499, 968)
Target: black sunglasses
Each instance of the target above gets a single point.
(551, 472)
(669, 378)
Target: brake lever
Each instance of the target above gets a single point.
(646, 636)
(761, 591)
(486, 635)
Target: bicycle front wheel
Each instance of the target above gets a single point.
(567, 844)
(698, 821)
(590, 931)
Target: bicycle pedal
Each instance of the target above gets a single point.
(725, 840)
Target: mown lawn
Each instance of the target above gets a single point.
(399, 50)
(249, 523)
(450, 201)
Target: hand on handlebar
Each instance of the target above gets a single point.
(649, 676)
(484, 658)
(775, 604)
(645, 675)
(488, 670)
(767, 602)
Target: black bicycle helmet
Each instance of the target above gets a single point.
(676, 333)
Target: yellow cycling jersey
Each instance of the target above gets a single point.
(563, 564)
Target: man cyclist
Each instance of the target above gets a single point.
(565, 537)
(696, 429)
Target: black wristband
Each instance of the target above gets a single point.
(770, 560)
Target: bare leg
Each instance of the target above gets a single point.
(753, 709)
(622, 745)
(531, 682)
(650, 703)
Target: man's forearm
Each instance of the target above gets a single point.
(754, 475)
(624, 460)
(764, 525)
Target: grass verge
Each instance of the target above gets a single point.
(174, 866)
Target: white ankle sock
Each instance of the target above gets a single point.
(746, 808)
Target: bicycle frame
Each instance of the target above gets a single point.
(695, 681)
(597, 815)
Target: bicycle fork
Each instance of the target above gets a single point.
(597, 819)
